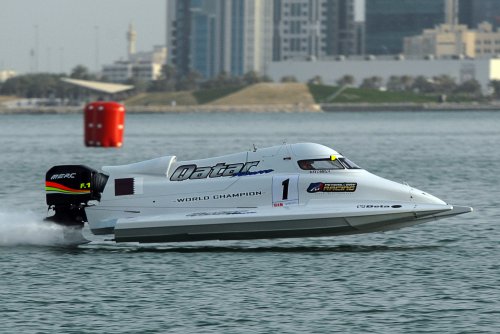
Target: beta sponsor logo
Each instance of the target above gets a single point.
(193, 172)
(332, 187)
(63, 176)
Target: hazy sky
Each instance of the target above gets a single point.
(72, 32)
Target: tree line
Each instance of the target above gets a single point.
(46, 85)
(442, 84)
(171, 80)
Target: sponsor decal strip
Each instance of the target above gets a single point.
(378, 206)
(258, 172)
(219, 196)
(59, 188)
(219, 213)
(193, 172)
(63, 176)
(332, 187)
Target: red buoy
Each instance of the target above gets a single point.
(104, 123)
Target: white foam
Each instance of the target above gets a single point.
(26, 228)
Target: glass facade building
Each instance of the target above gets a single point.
(388, 22)
(474, 12)
(202, 41)
(314, 29)
(237, 41)
(215, 36)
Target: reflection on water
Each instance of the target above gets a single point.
(270, 249)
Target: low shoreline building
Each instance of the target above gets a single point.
(448, 40)
(6, 75)
(483, 70)
(123, 71)
(139, 66)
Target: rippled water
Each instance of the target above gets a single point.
(440, 277)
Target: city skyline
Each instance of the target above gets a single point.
(47, 36)
(95, 36)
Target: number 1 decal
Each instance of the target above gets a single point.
(285, 190)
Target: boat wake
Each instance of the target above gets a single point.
(26, 228)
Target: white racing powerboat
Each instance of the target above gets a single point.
(286, 191)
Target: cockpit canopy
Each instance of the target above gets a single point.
(327, 164)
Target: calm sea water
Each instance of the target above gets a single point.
(439, 277)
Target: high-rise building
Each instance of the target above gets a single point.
(250, 35)
(214, 36)
(451, 12)
(474, 12)
(342, 32)
(388, 22)
(314, 29)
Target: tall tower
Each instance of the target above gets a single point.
(451, 12)
(214, 36)
(314, 29)
(131, 39)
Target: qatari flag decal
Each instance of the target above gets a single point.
(128, 186)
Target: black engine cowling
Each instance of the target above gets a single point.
(69, 188)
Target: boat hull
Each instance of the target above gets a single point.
(252, 225)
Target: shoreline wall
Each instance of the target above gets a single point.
(167, 109)
(333, 107)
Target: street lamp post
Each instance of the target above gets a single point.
(36, 48)
(96, 48)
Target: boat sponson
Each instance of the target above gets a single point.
(270, 229)
(238, 231)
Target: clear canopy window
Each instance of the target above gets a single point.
(327, 164)
(349, 164)
(320, 164)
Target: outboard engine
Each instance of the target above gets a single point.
(69, 188)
